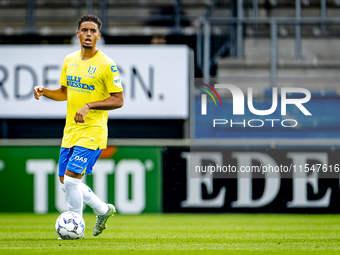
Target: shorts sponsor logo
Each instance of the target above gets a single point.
(80, 159)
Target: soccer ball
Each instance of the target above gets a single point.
(70, 225)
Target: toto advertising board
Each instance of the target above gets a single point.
(259, 180)
(129, 177)
(153, 78)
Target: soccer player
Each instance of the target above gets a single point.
(91, 85)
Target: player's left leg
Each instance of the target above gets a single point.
(104, 211)
(100, 224)
(90, 198)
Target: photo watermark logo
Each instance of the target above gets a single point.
(242, 128)
(238, 105)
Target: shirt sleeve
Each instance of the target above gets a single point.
(63, 78)
(112, 80)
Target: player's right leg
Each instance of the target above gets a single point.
(72, 175)
(72, 181)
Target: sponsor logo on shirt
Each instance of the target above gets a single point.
(114, 69)
(74, 81)
(116, 81)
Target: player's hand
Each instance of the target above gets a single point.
(38, 91)
(80, 115)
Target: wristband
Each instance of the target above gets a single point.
(88, 106)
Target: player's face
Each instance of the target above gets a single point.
(88, 34)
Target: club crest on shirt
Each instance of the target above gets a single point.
(92, 70)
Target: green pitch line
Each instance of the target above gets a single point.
(177, 234)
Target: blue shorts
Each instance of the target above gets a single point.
(77, 159)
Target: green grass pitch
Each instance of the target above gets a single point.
(177, 234)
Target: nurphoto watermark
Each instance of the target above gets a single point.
(235, 129)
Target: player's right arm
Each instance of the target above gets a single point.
(59, 94)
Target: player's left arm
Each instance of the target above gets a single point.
(116, 100)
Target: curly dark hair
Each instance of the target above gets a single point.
(91, 18)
